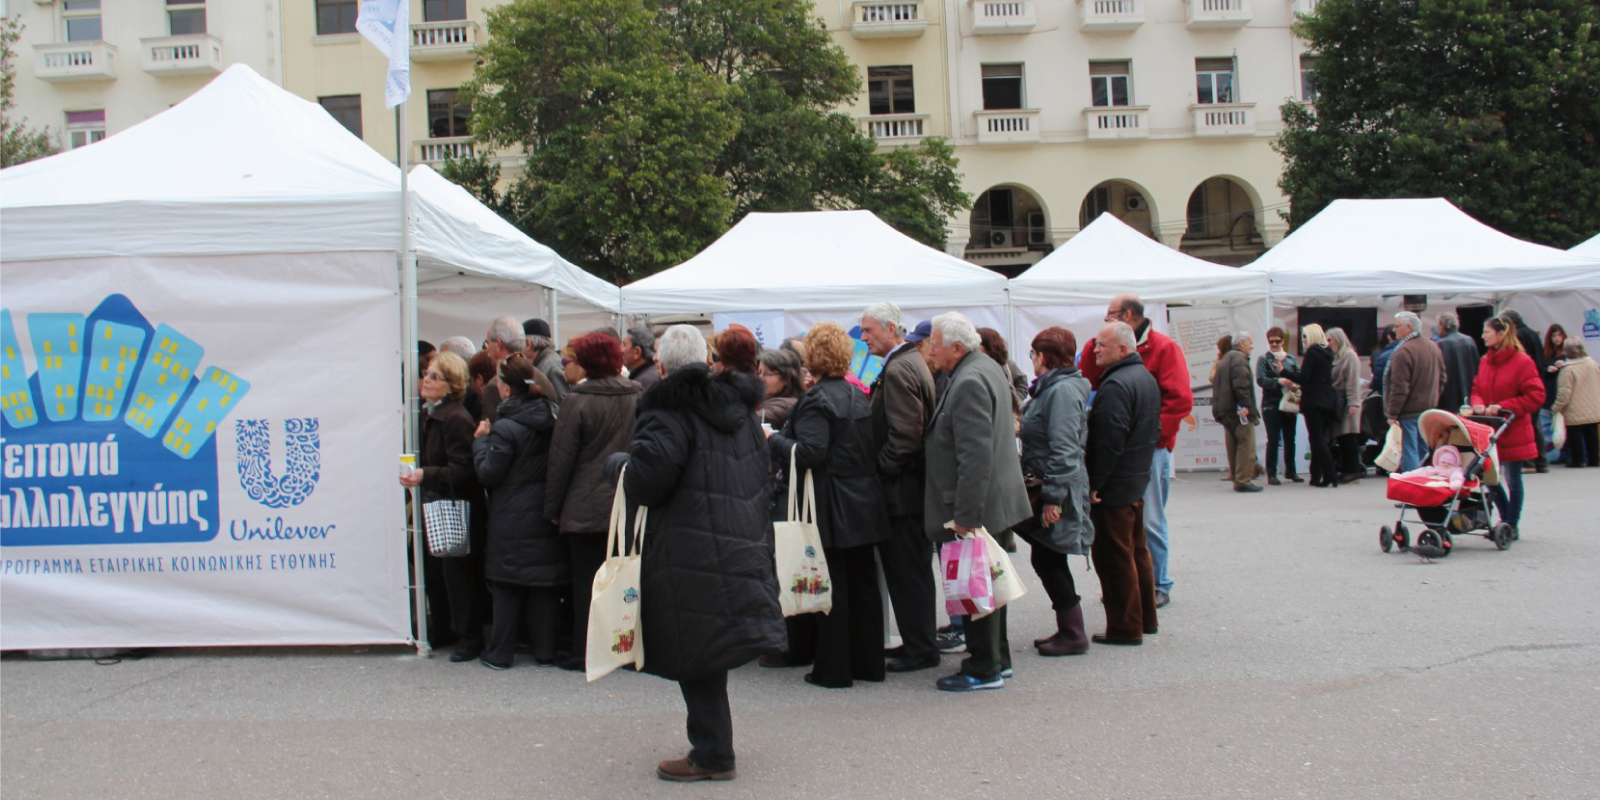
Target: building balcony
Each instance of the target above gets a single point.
(452, 40)
(1114, 123)
(895, 128)
(1013, 126)
(1306, 7)
(75, 61)
(1110, 15)
(1000, 17)
(194, 54)
(887, 19)
(1224, 119)
(437, 151)
(1218, 13)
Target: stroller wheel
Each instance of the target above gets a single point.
(1503, 535)
(1402, 536)
(1385, 538)
(1435, 538)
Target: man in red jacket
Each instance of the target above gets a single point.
(1164, 358)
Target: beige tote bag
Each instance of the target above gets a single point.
(803, 584)
(614, 639)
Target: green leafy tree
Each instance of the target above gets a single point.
(18, 142)
(650, 126)
(1494, 106)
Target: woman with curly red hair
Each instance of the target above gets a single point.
(596, 420)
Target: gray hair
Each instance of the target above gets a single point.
(1449, 322)
(1122, 333)
(533, 342)
(1574, 349)
(887, 315)
(1338, 339)
(679, 347)
(957, 329)
(460, 345)
(508, 331)
(1409, 319)
(1242, 338)
(644, 339)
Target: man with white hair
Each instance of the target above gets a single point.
(902, 398)
(460, 345)
(1233, 405)
(974, 478)
(503, 341)
(1411, 385)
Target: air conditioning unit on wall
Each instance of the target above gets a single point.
(1135, 202)
(999, 238)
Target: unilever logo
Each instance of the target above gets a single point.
(112, 438)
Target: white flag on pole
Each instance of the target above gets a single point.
(387, 24)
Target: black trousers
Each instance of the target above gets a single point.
(1349, 455)
(849, 639)
(469, 596)
(1280, 428)
(1323, 469)
(534, 608)
(988, 645)
(1583, 445)
(710, 721)
(586, 552)
(907, 558)
(1056, 577)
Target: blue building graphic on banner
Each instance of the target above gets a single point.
(112, 439)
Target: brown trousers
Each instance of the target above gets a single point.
(1127, 580)
(1241, 451)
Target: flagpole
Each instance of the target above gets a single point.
(409, 335)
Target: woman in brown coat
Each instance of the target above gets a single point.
(596, 420)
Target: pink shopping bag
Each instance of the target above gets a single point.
(968, 586)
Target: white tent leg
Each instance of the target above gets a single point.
(409, 410)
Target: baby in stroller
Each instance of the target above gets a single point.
(1450, 493)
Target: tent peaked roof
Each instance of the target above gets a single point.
(813, 260)
(239, 166)
(1108, 258)
(1415, 246)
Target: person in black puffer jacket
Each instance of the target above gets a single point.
(1318, 402)
(830, 432)
(526, 559)
(708, 593)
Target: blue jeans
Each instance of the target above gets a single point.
(1510, 508)
(1155, 515)
(1412, 449)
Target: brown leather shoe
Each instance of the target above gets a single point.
(682, 770)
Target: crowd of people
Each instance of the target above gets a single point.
(949, 439)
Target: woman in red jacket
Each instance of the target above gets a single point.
(1508, 380)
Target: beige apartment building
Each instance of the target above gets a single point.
(1159, 111)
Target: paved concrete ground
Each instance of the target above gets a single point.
(1296, 660)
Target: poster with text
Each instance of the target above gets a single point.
(201, 451)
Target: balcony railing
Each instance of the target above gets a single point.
(194, 54)
(1224, 119)
(1111, 15)
(991, 17)
(895, 128)
(452, 40)
(1118, 122)
(887, 19)
(75, 61)
(1218, 13)
(437, 151)
(1014, 126)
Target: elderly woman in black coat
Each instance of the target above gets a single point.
(830, 432)
(1318, 402)
(526, 558)
(708, 594)
(1054, 430)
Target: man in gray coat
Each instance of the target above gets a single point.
(1460, 363)
(974, 477)
(1233, 404)
(546, 357)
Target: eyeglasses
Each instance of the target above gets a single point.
(566, 362)
(433, 376)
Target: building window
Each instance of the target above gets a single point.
(336, 16)
(186, 17)
(346, 108)
(1308, 85)
(83, 20)
(889, 91)
(447, 115)
(1214, 81)
(85, 127)
(1108, 83)
(1002, 86)
(443, 10)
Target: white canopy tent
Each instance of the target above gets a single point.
(249, 221)
(1589, 247)
(814, 265)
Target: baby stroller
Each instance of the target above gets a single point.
(1441, 510)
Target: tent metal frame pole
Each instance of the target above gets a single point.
(410, 411)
